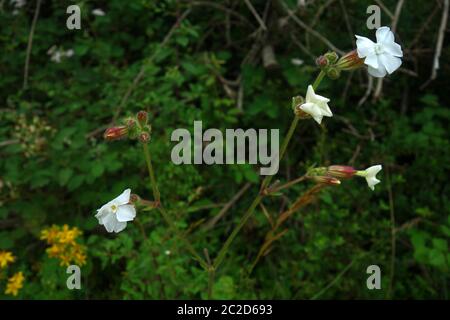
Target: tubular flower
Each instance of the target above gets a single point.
(115, 214)
(6, 258)
(316, 106)
(327, 180)
(15, 283)
(338, 171)
(383, 56)
(350, 61)
(370, 175)
(115, 133)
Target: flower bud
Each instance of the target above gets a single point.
(144, 137)
(333, 73)
(327, 180)
(331, 57)
(142, 118)
(130, 123)
(350, 61)
(321, 62)
(115, 133)
(338, 171)
(297, 101)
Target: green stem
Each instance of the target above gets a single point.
(222, 253)
(211, 274)
(164, 213)
(151, 173)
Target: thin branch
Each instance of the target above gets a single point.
(310, 30)
(30, 44)
(439, 44)
(385, 9)
(256, 15)
(211, 223)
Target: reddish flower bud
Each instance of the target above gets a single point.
(115, 133)
(130, 123)
(350, 61)
(142, 117)
(328, 180)
(321, 62)
(144, 137)
(341, 171)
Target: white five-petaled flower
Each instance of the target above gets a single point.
(370, 175)
(115, 214)
(316, 106)
(98, 12)
(382, 56)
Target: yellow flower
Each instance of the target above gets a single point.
(5, 258)
(68, 235)
(50, 234)
(15, 283)
(63, 245)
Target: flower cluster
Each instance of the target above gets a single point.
(32, 134)
(63, 245)
(382, 57)
(15, 282)
(134, 128)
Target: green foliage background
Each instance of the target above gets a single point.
(64, 173)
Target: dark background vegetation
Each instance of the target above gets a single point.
(55, 168)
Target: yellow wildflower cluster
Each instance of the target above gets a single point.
(63, 245)
(6, 258)
(15, 283)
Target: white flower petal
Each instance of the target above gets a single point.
(390, 62)
(326, 111)
(318, 118)
(110, 221)
(384, 35)
(393, 48)
(373, 170)
(319, 99)
(310, 108)
(126, 213)
(372, 60)
(377, 73)
(371, 182)
(124, 198)
(364, 46)
(120, 226)
(310, 94)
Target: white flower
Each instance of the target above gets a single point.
(98, 12)
(115, 214)
(370, 175)
(383, 56)
(56, 56)
(69, 53)
(316, 106)
(297, 61)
